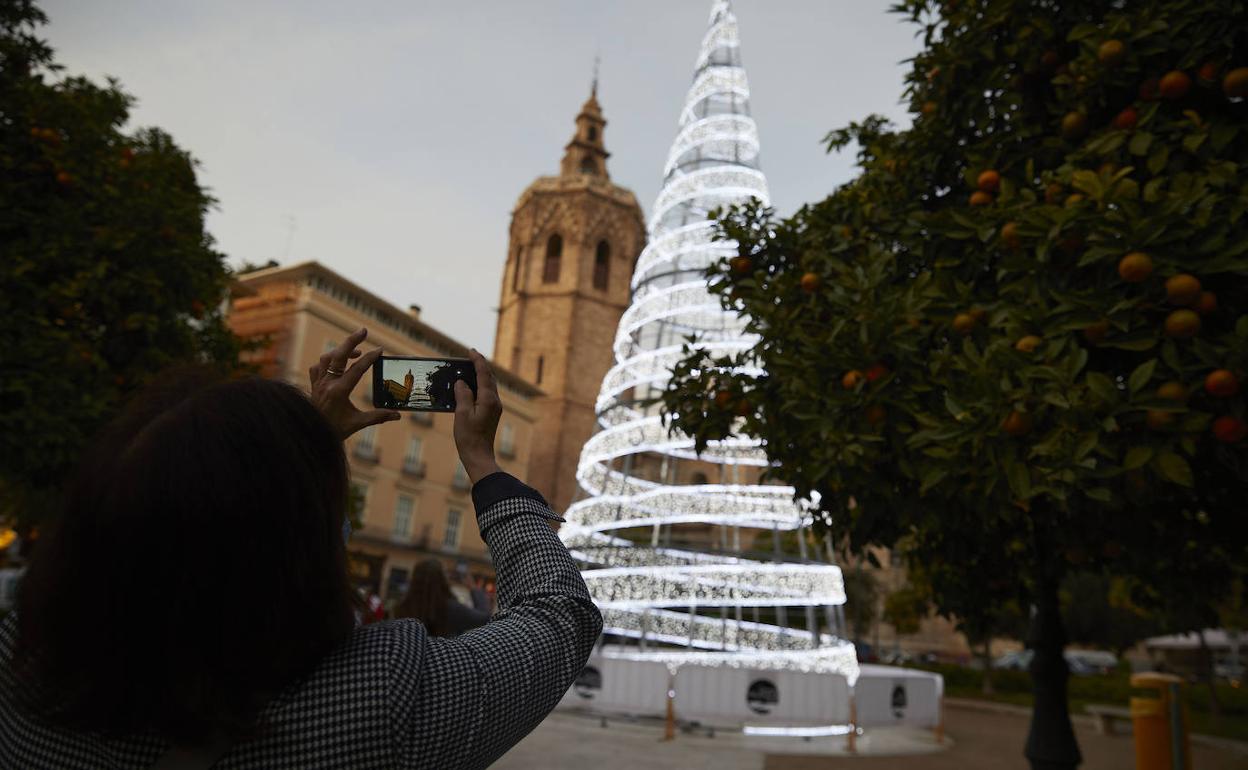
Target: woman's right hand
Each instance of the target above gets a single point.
(476, 420)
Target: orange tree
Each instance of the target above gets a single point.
(106, 273)
(1016, 338)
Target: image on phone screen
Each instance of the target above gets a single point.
(420, 384)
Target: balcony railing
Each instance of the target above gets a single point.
(461, 483)
(367, 452)
(414, 468)
(421, 418)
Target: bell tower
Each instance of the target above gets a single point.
(574, 240)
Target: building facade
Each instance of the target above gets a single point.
(574, 240)
(411, 493)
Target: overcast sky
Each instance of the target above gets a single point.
(389, 140)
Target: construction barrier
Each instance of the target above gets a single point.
(886, 695)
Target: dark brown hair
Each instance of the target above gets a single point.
(198, 566)
(427, 597)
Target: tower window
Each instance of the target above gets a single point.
(541, 364)
(588, 166)
(592, 133)
(602, 266)
(515, 271)
(554, 252)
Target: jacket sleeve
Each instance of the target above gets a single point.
(478, 694)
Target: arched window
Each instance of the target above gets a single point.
(554, 252)
(593, 133)
(515, 271)
(602, 266)
(588, 166)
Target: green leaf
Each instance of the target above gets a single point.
(1141, 376)
(1019, 478)
(1102, 386)
(1174, 468)
(1137, 457)
(1140, 143)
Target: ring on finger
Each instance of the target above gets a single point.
(334, 372)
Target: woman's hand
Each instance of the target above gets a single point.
(476, 420)
(332, 382)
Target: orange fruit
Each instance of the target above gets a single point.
(933, 73)
(964, 323)
(851, 379)
(1221, 383)
(1018, 424)
(928, 108)
(1182, 289)
(1174, 85)
(1074, 126)
(1229, 430)
(1054, 193)
(979, 314)
(1028, 344)
(1182, 324)
(1235, 84)
(876, 371)
(1158, 420)
(1009, 235)
(742, 408)
(1136, 267)
(989, 181)
(741, 265)
(1096, 332)
(876, 414)
(1111, 53)
(65, 178)
(810, 283)
(723, 399)
(1208, 73)
(980, 198)
(1172, 391)
(1126, 120)
(1206, 303)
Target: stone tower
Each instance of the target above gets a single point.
(574, 241)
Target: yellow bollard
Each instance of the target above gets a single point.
(1160, 724)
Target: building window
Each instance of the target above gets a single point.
(366, 444)
(592, 133)
(541, 364)
(413, 451)
(450, 537)
(602, 265)
(515, 270)
(460, 481)
(588, 166)
(359, 500)
(554, 253)
(403, 517)
(507, 440)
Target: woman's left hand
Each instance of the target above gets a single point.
(332, 382)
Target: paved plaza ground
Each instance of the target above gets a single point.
(979, 740)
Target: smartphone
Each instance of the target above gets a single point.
(420, 384)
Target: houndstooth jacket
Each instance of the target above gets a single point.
(392, 696)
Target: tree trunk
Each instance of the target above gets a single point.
(988, 689)
(1051, 741)
(1206, 673)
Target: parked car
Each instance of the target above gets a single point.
(1229, 669)
(1080, 662)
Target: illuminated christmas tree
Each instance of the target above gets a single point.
(684, 551)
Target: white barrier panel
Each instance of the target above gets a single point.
(733, 697)
(886, 695)
(619, 686)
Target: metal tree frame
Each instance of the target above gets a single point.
(662, 541)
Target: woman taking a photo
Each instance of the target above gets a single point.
(191, 608)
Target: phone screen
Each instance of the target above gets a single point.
(420, 384)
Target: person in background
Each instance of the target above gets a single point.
(430, 600)
(191, 606)
(466, 591)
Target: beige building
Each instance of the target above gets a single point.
(574, 240)
(414, 493)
